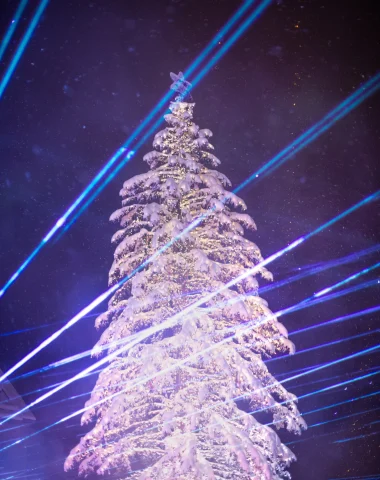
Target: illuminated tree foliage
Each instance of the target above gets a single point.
(176, 412)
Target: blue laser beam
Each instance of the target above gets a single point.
(358, 437)
(311, 301)
(33, 392)
(325, 379)
(333, 405)
(314, 300)
(313, 437)
(22, 45)
(346, 280)
(301, 305)
(315, 269)
(9, 33)
(308, 303)
(375, 476)
(327, 344)
(30, 329)
(344, 417)
(123, 150)
(365, 201)
(340, 319)
(351, 102)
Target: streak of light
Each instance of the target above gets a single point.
(78, 356)
(343, 318)
(351, 102)
(363, 412)
(298, 306)
(327, 344)
(30, 329)
(81, 355)
(124, 149)
(365, 201)
(303, 396)
(358, 437)
(324, 379)
(313, 300)
(375, 476)
(15, 19)
(346, 280)
(18, 473)
(22, 45)
(78, 376)
(351, 400)
(313, 270)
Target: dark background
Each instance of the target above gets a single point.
(90, 74)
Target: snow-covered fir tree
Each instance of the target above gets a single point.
(185, 422)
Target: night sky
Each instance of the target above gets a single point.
(91, 73)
